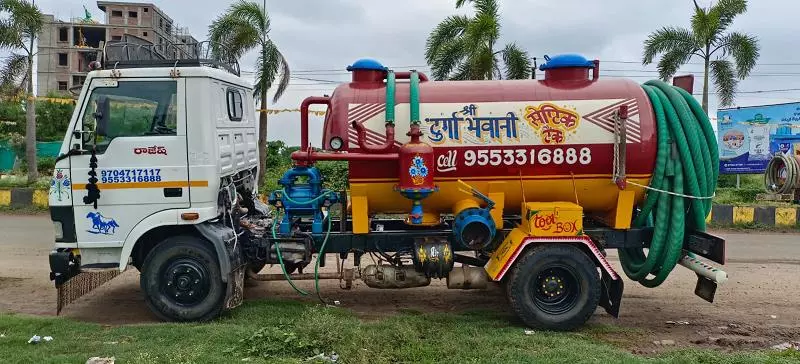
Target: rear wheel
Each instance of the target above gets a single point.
(554, 287)
(181, 280)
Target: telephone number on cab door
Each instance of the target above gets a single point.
(130, 175)
(508, 157)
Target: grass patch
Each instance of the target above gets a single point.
(20, 181)
(754, 226)
(744, 197)
(289, 332)
(25, 210)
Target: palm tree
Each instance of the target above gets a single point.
(18, 34)
(245, 27)
(707, 40)
(463, 48)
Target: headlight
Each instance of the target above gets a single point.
(336, 143)
(59, 230)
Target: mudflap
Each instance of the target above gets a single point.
(71, 281)
(234, 294)
(235, 291)
(81, 284)
(610, 293)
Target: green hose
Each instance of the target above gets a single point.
(321, 249)
(390, 91)
(687, 163)
(414, 97)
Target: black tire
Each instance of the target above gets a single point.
(554, 287)
(181, 280)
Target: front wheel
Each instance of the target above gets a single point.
(554, 287)
(181, 280)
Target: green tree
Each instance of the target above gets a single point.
(245, 26)
(18, 32)
(464, 48)
(708, 40)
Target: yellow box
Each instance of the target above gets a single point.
(552, 219)
(5, 197)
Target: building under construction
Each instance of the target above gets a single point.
(67, 47)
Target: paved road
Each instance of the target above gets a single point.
(761, 298)
(23, 233)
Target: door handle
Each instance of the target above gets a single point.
(173, 192)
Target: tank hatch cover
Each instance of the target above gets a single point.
(366, 64)
(566, 61)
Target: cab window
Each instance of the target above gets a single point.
(134, 108)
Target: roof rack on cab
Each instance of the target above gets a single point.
(122, 54)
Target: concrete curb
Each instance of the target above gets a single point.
(763, 215)
(23, 197)
(720, 214)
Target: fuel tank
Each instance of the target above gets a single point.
(551, 139)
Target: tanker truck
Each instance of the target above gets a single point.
(521, 184)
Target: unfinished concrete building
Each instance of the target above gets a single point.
(67, 47)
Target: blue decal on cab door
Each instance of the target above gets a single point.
(101, 224)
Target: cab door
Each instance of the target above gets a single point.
(136, 129)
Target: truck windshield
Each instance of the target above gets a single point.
(136, 108)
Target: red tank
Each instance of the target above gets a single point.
(554, 138)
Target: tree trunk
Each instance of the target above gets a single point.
(30, 125)
(705, 80)
(262, 138)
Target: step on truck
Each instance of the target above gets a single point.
(523, 184)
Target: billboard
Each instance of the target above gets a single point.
(748, 137)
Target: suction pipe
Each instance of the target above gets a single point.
(314, 100)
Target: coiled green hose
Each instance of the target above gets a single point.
(774, 182)
(687, 163)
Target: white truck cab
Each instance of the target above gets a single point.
(157, 150)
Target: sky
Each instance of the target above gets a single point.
(321, 38)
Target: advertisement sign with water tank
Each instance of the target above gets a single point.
(749, 137)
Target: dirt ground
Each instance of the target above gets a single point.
(758, 307)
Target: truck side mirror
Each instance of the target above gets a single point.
(102, 114)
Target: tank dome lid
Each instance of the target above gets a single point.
(366, 64)
(566, 61)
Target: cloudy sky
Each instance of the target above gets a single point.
(320, 38)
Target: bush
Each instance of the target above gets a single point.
(46, 165)
(746, 180)
(334, 174)
(274, 342)
(732, 195)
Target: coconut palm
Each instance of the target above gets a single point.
(18, 32)
(245, 26)
(707, 40)
(463, 47)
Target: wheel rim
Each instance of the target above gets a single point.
(556, 289)
(186, 281)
